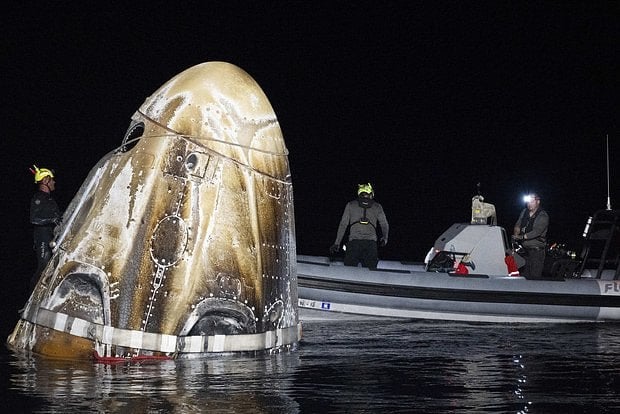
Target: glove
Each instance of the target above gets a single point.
(382, 242)
(333, 249)
(517, 237)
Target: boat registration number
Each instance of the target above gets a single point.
(305, 303)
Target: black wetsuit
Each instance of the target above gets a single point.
(44, 215)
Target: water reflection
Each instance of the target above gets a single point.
(352, 367)
(225, 384)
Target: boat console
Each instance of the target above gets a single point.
(481, 247)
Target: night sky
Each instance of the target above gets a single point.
(422, 99)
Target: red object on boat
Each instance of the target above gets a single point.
(513, 270)
(461, 269)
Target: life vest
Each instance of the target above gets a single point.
(527, 223)
(364, 220)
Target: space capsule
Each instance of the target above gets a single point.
(181, 242)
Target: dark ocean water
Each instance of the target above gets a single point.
(350, 366)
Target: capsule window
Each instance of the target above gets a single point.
(191, 162)
(132, 136)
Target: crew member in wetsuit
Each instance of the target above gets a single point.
(45, 216)
(361, 217)
(531, 231)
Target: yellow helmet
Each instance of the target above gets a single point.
(41, 173)
(365, 188)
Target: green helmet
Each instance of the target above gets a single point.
(365, 188)
(41, 173)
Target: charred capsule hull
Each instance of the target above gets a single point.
(182, 242)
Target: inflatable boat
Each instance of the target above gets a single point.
(468, 275)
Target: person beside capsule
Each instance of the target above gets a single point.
(44, 216)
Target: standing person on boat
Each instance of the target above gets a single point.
(530, 231)
(44, 216)
(361, 216)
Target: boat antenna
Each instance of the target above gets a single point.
(608, 196)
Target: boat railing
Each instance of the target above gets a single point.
(601, 248)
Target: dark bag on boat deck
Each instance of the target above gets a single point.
(442, 263)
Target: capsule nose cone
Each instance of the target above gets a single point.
(219, 104)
